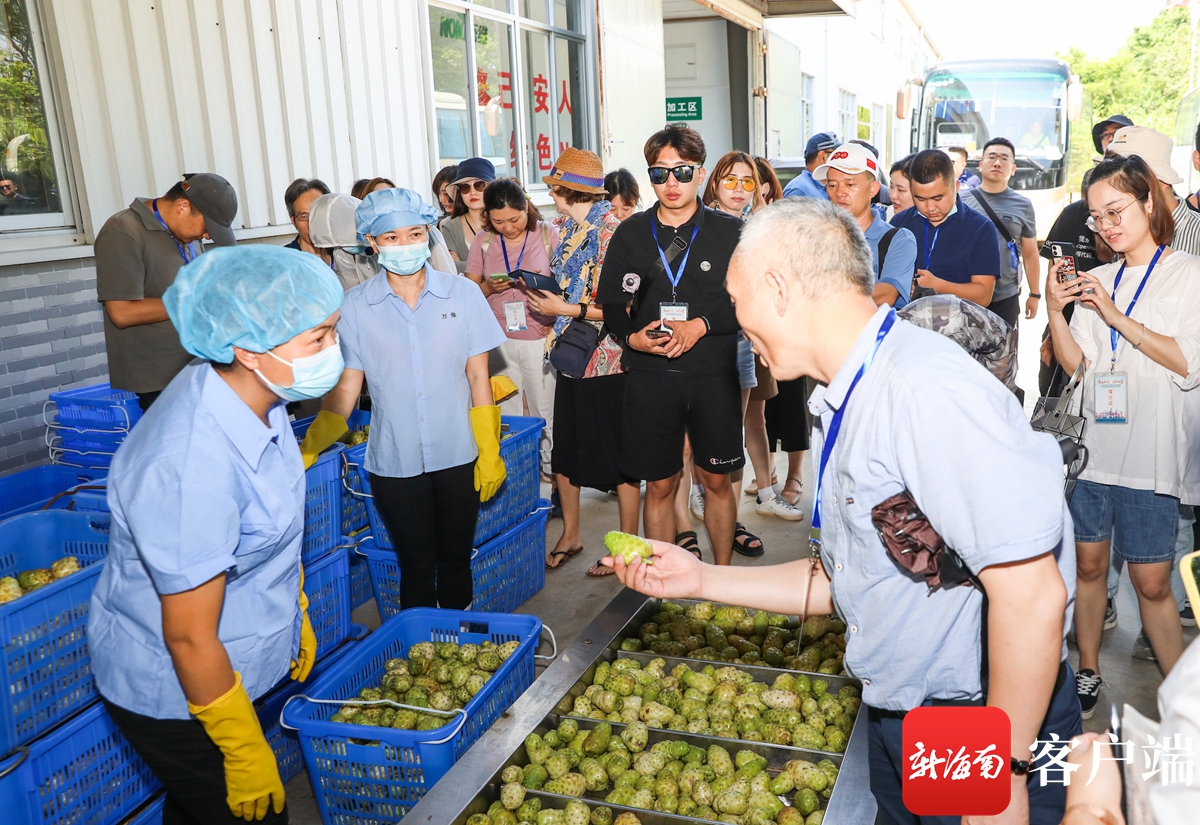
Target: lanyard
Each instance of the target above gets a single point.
(835, 427)
(673, 278)
(504, 249)
(178, 245)
(1112, 332)
(929, 246)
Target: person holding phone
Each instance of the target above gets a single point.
(1137, 333)
(515, 240)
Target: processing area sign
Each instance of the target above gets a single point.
(684, 108)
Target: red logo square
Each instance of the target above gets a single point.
(956, 761)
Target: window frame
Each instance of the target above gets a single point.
(847, 114)
(530, 178)
(46, 229)
(808, 87)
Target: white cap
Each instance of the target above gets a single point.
(1151, 146)
(851, 158)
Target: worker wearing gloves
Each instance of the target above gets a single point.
(200, 608)
(420, 338)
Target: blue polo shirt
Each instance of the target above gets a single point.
(965, 244)
(805, 185)
(899, 265)
(415, 361)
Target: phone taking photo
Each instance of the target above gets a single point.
(1064, 252)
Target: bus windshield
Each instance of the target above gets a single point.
(967, 109)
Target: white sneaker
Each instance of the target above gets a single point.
(779, 507)
(696, 502)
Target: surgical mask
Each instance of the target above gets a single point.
(312, 375)
(404, 260)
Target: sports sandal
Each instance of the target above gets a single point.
(743, 540)
(690, 542)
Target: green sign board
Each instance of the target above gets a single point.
(684, 108)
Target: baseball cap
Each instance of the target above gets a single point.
(820, 142)
(214, 197)
(1120, 120)
(1151, 146)
(851, 158)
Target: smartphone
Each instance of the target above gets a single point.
(660, 332)
(501, 277)
(535, 280)
(1066, 253)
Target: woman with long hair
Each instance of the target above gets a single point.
(772, 189)
(443, 190)
(899, 185)
(1136, 331)
(734, 186)
(466, 214)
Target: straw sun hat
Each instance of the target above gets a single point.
(579, 170)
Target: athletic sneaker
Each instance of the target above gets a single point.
(1142, 648)
(1110, 615)
(1186, 617)
(1087, 687)
(779, 508)
(696, 502)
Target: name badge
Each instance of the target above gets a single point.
(673, 311)
(1111, 398)
(514, 316)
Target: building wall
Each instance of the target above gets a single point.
(697, 65)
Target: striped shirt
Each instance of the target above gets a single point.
(1187, 229)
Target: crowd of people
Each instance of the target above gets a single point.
(661, 343)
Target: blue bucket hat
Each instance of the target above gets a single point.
(479, 168)
(389, 209)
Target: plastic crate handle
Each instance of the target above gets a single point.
(346, 465)
(56, 426)
(72, 492)
(342, 702)
(24, 751)
(553, 641)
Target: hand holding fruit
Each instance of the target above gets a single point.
(669, 572)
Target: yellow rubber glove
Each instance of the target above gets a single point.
(326, 428)
(302, 665)
(489, 469)
(251, 772)
(502, 388)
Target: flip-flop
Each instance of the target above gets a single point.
(746, 537)
(567, 554)
(599, 571)
(690, 542)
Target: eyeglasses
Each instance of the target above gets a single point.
(467, 186)
(683, 174)
(1112, 217)
(731, 182)
(300, 217)
(994, 158)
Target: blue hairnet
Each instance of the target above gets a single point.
(388, 209)
(255, 297)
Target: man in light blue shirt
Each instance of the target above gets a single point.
(851, 179)
(913, 412)
(820, 146)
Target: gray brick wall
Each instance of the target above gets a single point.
(51, 338)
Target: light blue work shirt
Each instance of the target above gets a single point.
(805, 185)
(415, 361)
(900, 264)
(927, 417)
(199, 488)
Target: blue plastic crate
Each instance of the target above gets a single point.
(98, 407)
(43, 635)
(284, 742)
(354, 510)
(517, 496)
(362, 590)
(327, 585)
(380, 783)
(357, 420)
(84, 772)
(322, 505)
(149, 814)
(505, 570)
(31, 489)
(86, 459)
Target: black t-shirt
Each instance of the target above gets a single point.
(633, 271)
(1071, 227)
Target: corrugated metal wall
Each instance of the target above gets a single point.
(260, 91)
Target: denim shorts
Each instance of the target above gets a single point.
(1141, 522)
(745, 363)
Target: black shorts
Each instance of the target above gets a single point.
(660, 407)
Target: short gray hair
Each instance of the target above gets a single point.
(815, 243)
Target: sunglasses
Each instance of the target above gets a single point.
(477, 185)
(683, 174)
(731, 182)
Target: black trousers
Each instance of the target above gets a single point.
(145, 399)
(191, 768)
(431, 519)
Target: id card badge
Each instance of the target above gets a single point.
(672, 311)
(1111, 397)
(514, 316)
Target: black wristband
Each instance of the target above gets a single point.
(1037, 295)
(1019, 768)
(707, 325)
(583, 311)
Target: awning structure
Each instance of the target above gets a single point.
(751, 13)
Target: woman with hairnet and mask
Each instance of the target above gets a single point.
(420, 337)
(200, 608)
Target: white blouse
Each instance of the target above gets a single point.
(1159, 448)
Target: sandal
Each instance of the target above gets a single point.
(743, 540)
(690, 542)
(599, 571)
(792, 498)
(566, 554)
(751, 488)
